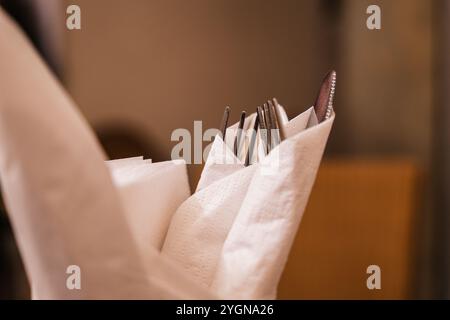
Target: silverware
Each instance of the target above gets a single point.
(263, 128)
(324, 101)
(275, 125)
(278, 117)
(269, 121)
(331, 96)
(237, 139)
(268, 124)
(251, 146)
(224, 122)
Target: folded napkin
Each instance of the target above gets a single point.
(255, 251)
(63, 205)
(150, 193)
(200, 225)
(236, 208)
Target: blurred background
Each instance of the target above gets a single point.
(140, 69)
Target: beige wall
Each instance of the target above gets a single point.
(386, 79)
(160, 65)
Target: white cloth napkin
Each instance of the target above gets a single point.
(63, 205)
(208, 232)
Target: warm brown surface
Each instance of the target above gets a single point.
(360, 213)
